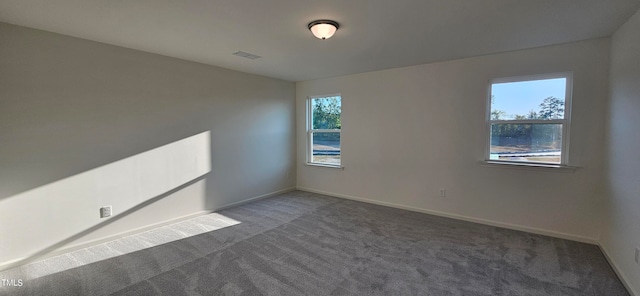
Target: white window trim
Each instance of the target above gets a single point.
(310, 131)
(566, 123)
(528, 166)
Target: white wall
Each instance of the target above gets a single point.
(408, 132)
(621, 227)
(80, 119)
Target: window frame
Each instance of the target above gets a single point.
(310, 131)
(566, 121)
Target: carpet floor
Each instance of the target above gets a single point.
(301, 243)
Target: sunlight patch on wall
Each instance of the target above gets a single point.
(35, 220)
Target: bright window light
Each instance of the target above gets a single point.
(324, 126)
(528, 119)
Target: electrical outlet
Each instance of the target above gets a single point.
(637, 255)
(105, 212)
(443, 192)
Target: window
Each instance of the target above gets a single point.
(323, 130)
(528, 119)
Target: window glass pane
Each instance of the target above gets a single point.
(326, 148)
(526, 142)
(534, 99)
(326, 113)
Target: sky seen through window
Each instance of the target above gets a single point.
(519, 98)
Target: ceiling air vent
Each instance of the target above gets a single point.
(246, 55)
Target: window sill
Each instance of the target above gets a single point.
(325, 165)
(529, 166)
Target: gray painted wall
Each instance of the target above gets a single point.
(621, 227)
(408, 132)
(90, 116)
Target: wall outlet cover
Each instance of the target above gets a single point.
(443, 192)
(105, 211)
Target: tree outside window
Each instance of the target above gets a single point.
(528, 120)
(324, 117)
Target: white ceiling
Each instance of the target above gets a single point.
(374, 34)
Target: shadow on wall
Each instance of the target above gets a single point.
(41, 220)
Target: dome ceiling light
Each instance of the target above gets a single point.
(323, 29)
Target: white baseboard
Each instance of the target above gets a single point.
(235, 204)
(625, 281)
(551, 233)
(73, 247)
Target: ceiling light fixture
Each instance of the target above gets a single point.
(323, 29)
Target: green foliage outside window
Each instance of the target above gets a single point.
(326, 115)
(510, 134)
